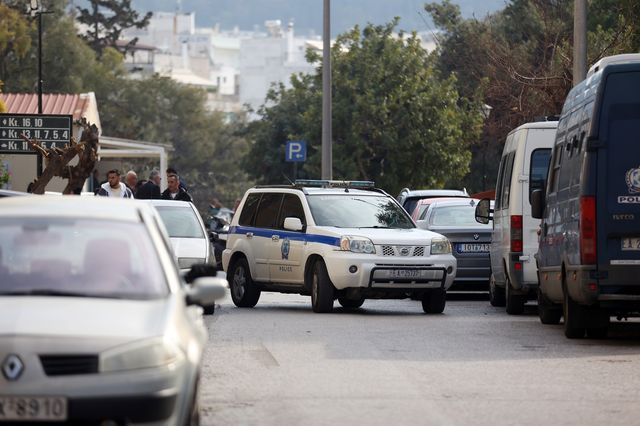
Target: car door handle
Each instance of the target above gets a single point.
(275, 238)
(249, 234)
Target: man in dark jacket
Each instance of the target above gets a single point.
(174, 191)
(151, 189)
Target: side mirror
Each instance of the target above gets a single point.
(422, 224)
(484, 212)
(204, 291)
(537, 204)
(293, 224)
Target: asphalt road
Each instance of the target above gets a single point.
(388, 363)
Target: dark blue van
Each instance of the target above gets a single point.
(589, 247)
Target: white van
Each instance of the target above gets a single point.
(514, 241)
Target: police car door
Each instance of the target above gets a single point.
(286, 251)
(265, 233)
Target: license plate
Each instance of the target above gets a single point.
(406, 274)
(630, 244)
(473, 248)
(38, 408)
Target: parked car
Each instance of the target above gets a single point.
(589, 251)
(189, 238)
(470, 240)
(409, 198)
(422, 207)
(97, 326)
(334, 239)
(514, 241)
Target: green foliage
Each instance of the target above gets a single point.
(15, 38)
(396, 120)
(106, 20)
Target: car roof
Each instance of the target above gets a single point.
(169, 203)
(537, 125)
(320, 191)
(71, 206)
(472, 202)
(432, 200)
(433, 193)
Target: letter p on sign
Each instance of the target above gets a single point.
(296, 151)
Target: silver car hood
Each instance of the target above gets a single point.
(190, 247)
(68, 317)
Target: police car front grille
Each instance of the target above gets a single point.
(402, 251)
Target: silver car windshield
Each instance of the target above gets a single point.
(181, 222)
(463, 215)
(81, 258)
(358, 211)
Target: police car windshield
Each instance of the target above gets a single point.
(358, 211)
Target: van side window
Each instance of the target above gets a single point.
(249, 210)
(268, 210)
(555, 159)
(291, 207)
(539, 167)
(503, 162)
(507, 179)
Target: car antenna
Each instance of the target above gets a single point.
(288, 180)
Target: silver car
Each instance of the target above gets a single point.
(96, 324)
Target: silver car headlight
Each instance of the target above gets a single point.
(188, 262)
(440, 246)
(147, 353)
(357, 244)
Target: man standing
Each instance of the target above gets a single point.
(151, 189)
(113, 187)
(174, 191)
(131, 179)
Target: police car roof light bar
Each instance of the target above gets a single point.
(363, 184)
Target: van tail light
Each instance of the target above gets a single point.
(588, 241)
(516, 234)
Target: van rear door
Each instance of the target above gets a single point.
(618, 178)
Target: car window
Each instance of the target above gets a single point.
(358, 211)
(506, 191)
(423, 211)
(181, 222)
(462, 215)
(539, 166)
(503, 162)
(268, 209)
(291, 207)
(84, 258)
(249, 210)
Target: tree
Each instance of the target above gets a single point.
(107, 19)
(15, 39)
(396, 119)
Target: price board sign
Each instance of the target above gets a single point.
(51, 131)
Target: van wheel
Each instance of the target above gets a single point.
(434, 301)
(321, 289)
(244, 292)
(350, 303)
(574, 317)
(515, 302)
(549, 312)
(496, 294)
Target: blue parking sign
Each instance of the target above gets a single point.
(296, 151)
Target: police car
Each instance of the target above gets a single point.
(334, 240)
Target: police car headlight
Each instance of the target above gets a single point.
(357, 245)
(440, 246)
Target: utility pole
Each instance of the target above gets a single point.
(579, 41)
(327, 155)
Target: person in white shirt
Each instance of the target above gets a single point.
(113, 187)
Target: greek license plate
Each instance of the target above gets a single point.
(630, 244)
(46, 408)
(473, 248)
(408, 274)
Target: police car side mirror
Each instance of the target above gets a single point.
(293, 224)
(537, 204)
(483, 211)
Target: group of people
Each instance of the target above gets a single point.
(130, 187)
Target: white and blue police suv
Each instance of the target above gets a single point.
(334, 240)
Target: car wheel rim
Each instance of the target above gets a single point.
(239, 282)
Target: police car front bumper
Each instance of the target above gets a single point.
(348, 270)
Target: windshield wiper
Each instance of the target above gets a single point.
(374, 227)
(46, 292)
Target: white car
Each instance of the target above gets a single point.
(96, 324)
(344, 240)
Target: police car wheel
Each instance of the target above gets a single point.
(244, 292)
(434, 301)
(350, 303)
(321, 289)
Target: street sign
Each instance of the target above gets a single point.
(51, 131)
(296, 151)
